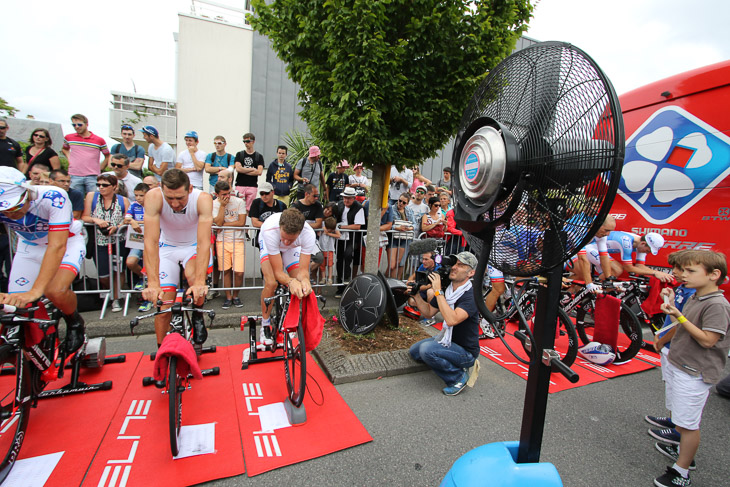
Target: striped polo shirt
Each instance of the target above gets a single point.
(84, 154)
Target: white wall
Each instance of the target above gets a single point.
(213, 81)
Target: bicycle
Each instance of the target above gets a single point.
(35, 357)
(175, 384)
(584, 302)
(290, 340)
(520, 305)
(633, 291)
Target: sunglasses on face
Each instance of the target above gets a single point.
(39, 135)
(404, 202)
(219, 143)
(77, 124)
(247, 141)
(116, 165)
(436, 205)
(261, 193)
(103, 185)
(4, 128)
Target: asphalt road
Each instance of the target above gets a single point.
(595, 435)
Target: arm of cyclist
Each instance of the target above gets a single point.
(643, 270)
(49, 269)
(152, 207)
(199, 289)
(301, 286)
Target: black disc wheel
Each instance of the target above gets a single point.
(295, 364)
(15, 403)
(630, 337)
(174, 392)
(363, 304)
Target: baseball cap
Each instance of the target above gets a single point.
(266, 188)
(359, 164)
(422, 189)
(12, 187)
(350, 192)
(192, 134)
(655, 242)
(467, 258)
(343, 163)
(314, 151)
(150, 130)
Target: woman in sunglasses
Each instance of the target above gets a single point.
(433, 222)
(105, 209)
(40, 151)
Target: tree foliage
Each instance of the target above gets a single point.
(385, 82)
(5, 107)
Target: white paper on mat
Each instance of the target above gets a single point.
(273, 416)
(32, 472)
(196, 439)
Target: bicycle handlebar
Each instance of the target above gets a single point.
(12, 312)
(174, 308)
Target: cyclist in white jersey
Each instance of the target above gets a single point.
(623, 245)
(171, 213)
(287, 244)
(581, 264)
(50, 249)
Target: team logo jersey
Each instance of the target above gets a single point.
(621, 243)
(50, 211)
(271, 237)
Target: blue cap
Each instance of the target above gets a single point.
(192, 134)
(149, 129)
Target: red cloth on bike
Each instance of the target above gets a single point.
(312, 320)
(606, 316)
(174, 345)
(653, 301)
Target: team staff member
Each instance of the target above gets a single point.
(170, 213)
(455, 349)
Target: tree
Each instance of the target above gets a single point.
(4, 107)
(385, 82)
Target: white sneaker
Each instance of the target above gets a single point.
(264, 337)
(116, 306)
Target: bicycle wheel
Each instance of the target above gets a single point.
(570, 344)
(174, 392)
(14, 406)
(295, 364)
(629, 338)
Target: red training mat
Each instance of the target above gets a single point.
(495, 351)
(262, 384)
(136, 449)
(76, 424)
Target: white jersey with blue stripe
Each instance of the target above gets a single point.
(50, 211)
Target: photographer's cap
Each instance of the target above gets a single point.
(467, 258)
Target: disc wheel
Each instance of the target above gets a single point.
(15, 403)
(630, 337)
(174, 392)
(295, 365)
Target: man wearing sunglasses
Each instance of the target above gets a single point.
(82, 149)
(170, 215)
(11, 155)
(50, 248)
(263, 207)
(134, 152)
(249, 165)
(120, 165)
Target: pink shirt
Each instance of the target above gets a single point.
(84, 154)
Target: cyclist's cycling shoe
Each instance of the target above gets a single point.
(265, 337)
(200, 333)
(75, 332)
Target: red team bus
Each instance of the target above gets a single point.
(676, 175)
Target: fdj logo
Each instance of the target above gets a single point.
(672, 161)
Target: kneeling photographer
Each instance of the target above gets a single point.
(455, 349)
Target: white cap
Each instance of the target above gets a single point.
(655, 242)
(12, 187)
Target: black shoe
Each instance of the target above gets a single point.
(671, 451)
(200, 333)
(75, 332)
(672, 478)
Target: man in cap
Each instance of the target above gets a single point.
(623, 245)
(161, 156)
(309, 171)
(263, 207)
(352, 217)
(50, 249)
(192, 160)
(452, 352)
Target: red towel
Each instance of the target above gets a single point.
(608, 311)
(653, 302)
(174, 345)
(312, 320)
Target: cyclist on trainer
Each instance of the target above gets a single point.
(171, 212)
(287, 243)
(50, 248)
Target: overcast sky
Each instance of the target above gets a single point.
(65, 57)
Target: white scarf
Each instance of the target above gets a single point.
(451, 295)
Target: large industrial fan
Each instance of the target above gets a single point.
(537, 161)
